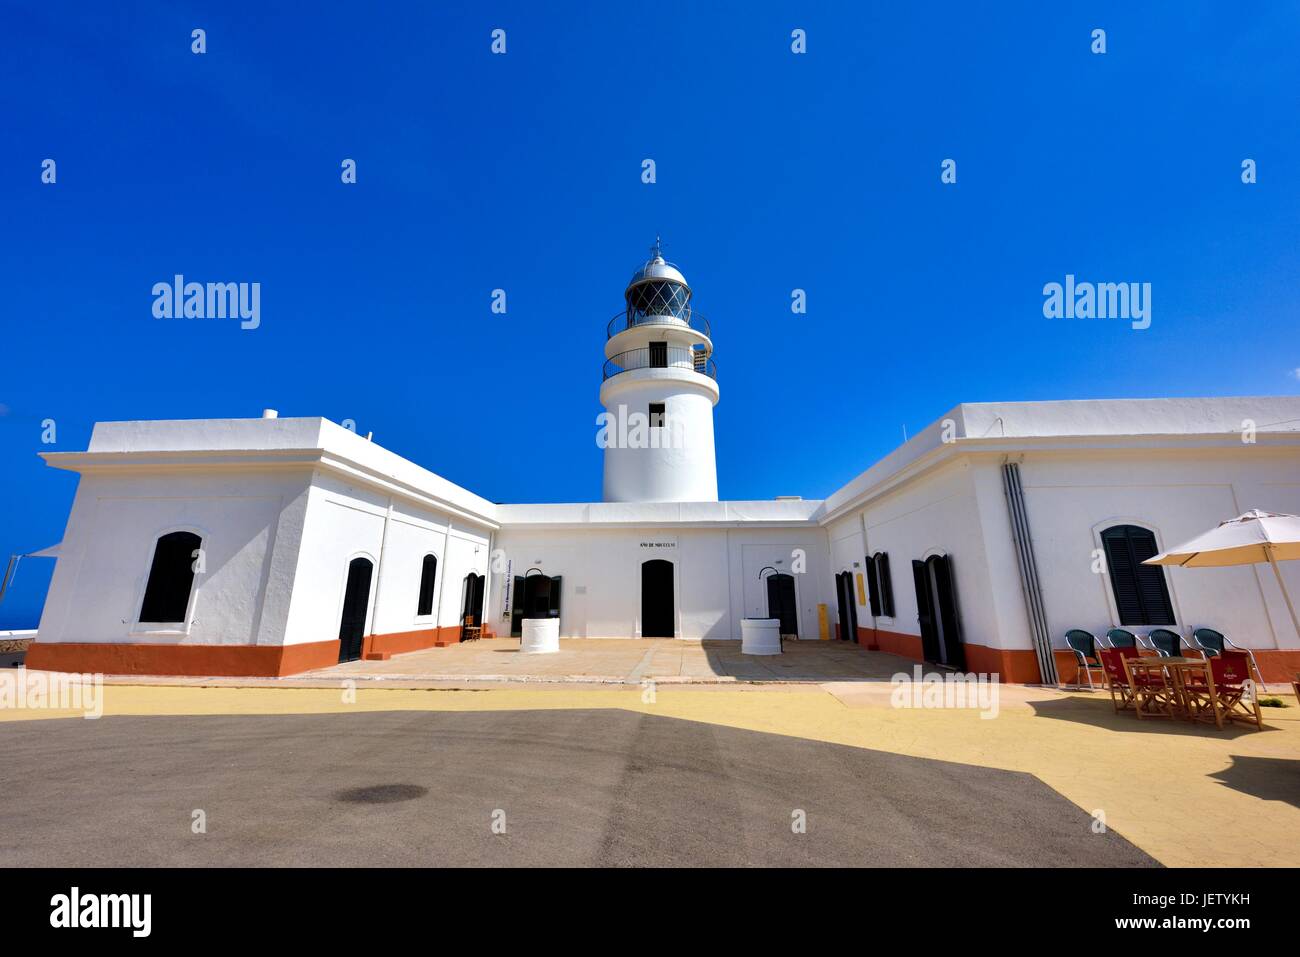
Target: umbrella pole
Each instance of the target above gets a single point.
(1282, 585)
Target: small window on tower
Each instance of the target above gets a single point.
(656, 415)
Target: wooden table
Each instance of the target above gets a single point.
(1182, 674)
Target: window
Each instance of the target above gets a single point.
(656, 415)
(658, 355)
(171, 576)
(880, 586)
(427, 576)
(1141, 593)
(658, 298)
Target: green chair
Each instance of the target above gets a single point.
(1209, 642)
(1084, 646)
(1122, 638)
(1167, 644)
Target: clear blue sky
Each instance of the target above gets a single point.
(522, 171)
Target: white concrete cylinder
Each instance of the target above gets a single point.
(674, 463)
(760, 636)
(541, 636)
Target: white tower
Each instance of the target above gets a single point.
(660, 387)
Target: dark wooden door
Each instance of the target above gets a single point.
(658, 355)
(842, 606)
(356, 602)
(851, 603)
(538, 590)
(517, 609)
(471, 611)
(553, 597)
(925, 612)
(781, 603)
(954, 655)
(658, 616)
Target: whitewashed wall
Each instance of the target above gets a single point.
(249, 524)
(1070, 498)
(346, 521)
(716, 579)
(935, 513)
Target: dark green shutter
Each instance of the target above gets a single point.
(952, 642)
(873, 587)
(553, 610)
(886, 585)
(925, 612)
(517, 608)
(1141, 593)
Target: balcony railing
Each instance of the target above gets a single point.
(633, 318)
(674, 357)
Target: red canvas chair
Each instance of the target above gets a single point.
(1117, 680)
(1233, 692)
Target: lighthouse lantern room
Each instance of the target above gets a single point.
(659, 365)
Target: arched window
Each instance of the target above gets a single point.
(167, 595)
(427, 576)
(880, 587)
(1141, 593)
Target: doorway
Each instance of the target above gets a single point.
(848, 606)
(536, 596)
(781, 603)
(471, 611)
(658, 615)
(356, 603)
(936, 612)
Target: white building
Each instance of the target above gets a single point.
(272, 546)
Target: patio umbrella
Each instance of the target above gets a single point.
(1245, 540)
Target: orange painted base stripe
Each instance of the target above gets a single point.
(239, 661)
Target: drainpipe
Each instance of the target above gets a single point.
(867, 570)
(1029, 584)
(379, 577)
(484, 616)
(442, 588)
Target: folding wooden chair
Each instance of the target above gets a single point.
(1154, 695)
(1234, 693)
(1210, 642)
(470, 631)
(1117, 680)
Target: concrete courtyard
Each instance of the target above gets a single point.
(626, 660)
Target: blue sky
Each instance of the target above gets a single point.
(775, 171)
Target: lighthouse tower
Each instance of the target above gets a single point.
(659, 388)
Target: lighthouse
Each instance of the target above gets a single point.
(659, 388)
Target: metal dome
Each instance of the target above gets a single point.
(657, 268)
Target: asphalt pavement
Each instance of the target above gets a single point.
(510, 788)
